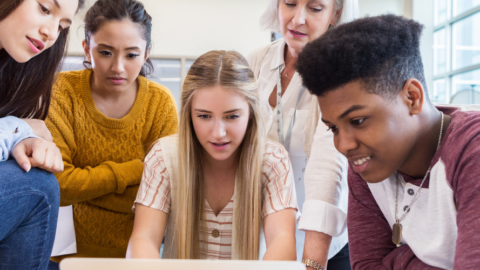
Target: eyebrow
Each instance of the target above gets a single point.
(110, 47)
(205, 111)
(59, 7)
(347, 112)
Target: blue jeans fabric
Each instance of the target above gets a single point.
(29, 204)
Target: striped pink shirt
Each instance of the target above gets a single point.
(277, 186)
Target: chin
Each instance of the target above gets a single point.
(21, 57)
(373, 178)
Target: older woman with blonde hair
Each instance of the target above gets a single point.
(292, 117)
(213, 187)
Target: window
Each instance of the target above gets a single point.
(168, 71)
(456, 51)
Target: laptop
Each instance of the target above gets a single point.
(140, 264)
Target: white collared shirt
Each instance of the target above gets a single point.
(321, 186)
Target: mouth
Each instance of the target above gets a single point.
(359, 165)
(220, 145)
(296, 33)
(117, 80)
(36, 45)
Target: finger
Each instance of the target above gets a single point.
(39, 148)
(20, 155)
(58, 161)
(49, 158)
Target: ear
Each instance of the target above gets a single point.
(335, 18)
(86, 50)
(147, 53)
(413, 96)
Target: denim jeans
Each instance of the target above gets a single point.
(29, 205)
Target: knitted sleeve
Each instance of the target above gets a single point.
(82, 184)
(164, 122)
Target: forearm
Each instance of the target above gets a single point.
(316, 247)
(121, 203)
(86, 184)
(282, 248)
(141, 247)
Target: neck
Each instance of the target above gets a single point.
(290, 56)
(425, 147)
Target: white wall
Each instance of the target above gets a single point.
(378, 7)
(193, 27)
(423, 13)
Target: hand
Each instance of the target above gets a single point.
(34, 152)
(39, 128)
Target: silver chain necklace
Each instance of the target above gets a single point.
(397, 227)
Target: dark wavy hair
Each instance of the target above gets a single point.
(381, 52)
(104, 11)
(25, 88)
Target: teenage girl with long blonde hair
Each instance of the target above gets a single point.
(213, 189)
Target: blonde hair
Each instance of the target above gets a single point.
(269, 19)
(229, 70)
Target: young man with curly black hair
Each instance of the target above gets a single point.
(414, 173)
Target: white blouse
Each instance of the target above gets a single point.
(320, 178)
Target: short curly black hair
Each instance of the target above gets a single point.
(381, 52)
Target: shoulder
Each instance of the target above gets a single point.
(67, 88)
(276, 157)
(257, 55)
(157, 91)
(164, 147)
(460, 150)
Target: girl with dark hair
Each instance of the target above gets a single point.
(104, 119)
(33, 35)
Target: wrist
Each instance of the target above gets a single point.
(310, 264)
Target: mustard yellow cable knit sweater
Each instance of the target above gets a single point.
(103, 158)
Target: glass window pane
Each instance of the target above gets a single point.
(73, 63)
(460, 6)
(439, 91)
(167, 73)
(466, 42)
(440, 11)
(439, 52)
(466, 88)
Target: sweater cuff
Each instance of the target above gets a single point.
(128, 174)
(322, 217)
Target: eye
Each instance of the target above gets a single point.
(105, 53)
(357, 122)
(203, 116)
(233, 117)
(132, 55)
(316, 9)
(44, 9)
(289, 4)
(333, 129)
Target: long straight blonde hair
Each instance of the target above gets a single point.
(229, 70)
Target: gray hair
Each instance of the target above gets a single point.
(269, 19)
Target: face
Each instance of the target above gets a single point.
(302, 21)
(220, 118)
(117, 52)
(375, 134)
(34, 26)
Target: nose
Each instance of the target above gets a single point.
(50, 31)
(117, 65)
(219, 130)
(300, 16)
(345, 141)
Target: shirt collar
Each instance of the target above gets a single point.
(279, 53)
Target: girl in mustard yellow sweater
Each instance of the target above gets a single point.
(104, 120)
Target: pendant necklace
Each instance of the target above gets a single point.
(397, 227)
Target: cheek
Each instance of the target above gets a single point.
(239, 129)
(134, 67)
(200, 128)
(317, 28)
